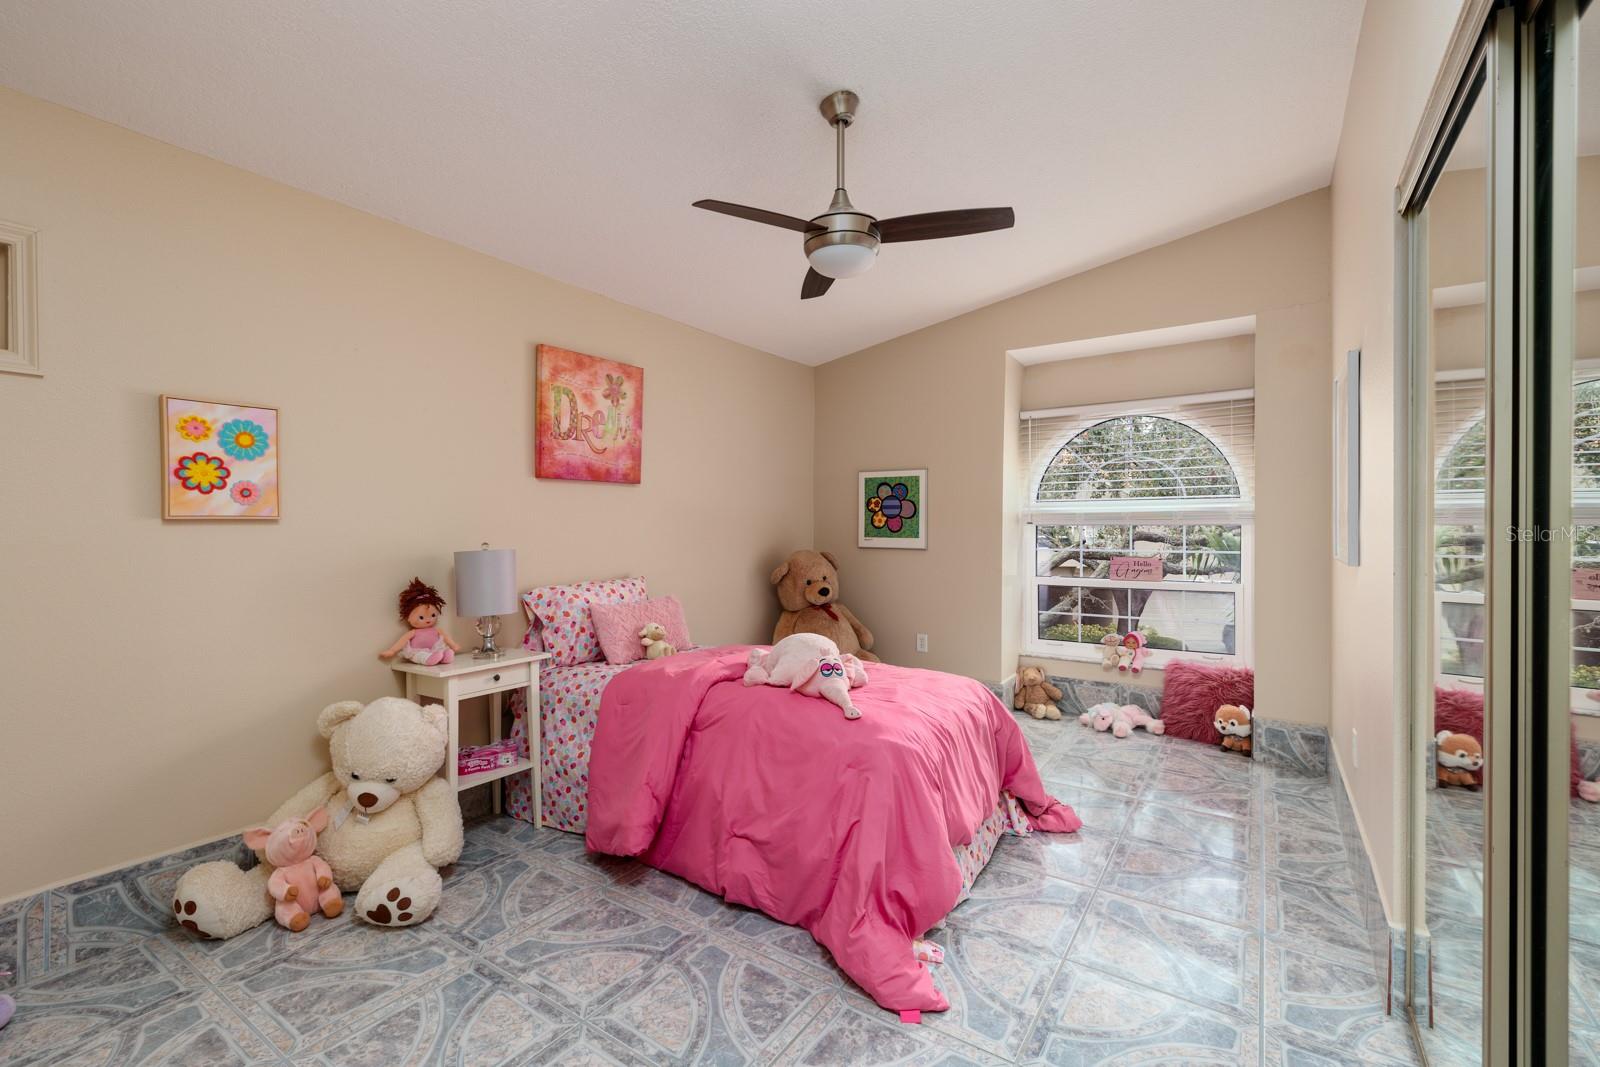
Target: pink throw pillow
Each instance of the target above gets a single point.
(560, 620)
(619, 626)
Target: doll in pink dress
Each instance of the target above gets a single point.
(424, 642)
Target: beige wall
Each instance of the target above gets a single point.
(1400, 48)
(946, 397)
(1145, 374)
(162, 679)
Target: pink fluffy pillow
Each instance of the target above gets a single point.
(1193, 692)
(618, 626)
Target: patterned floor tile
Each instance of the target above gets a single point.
(1218, 766)
(1308, 855)
(79, 1003)
(511, 891)
(1182, 830)
(1044, 916)
(1065, 775)
(1289, 1048)
(1326, 921)
(1457, 943)
(582, 956)
(1178, 790)
(1207, 963)
(712, 1002)
(849, 1037)
(1091, 1018)
(1184, 881)
(1080, 857)
(197, 1029)
(1342, 1006)
(477, 1015)
(1454, 890)
(1105, 813)
(313, 995)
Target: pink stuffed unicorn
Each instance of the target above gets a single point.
(810, 664)
(1122, 720)
(302, 883)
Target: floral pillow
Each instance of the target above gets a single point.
(559, 617)
(618, 626)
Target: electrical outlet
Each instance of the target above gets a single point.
(1355, 750)
(922, 642)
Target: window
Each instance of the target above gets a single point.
(1139, 519)
(1459, 531)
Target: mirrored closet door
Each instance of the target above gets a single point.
(1451, 504)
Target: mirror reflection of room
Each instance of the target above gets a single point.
(1450, 930)
(1584, 820)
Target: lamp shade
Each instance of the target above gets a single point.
(486, 582)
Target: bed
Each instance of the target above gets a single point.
(865, 832)
(569, 699)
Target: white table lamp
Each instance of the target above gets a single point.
(486, 588)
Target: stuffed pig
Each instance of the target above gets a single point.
(301, 882)
(809, 664)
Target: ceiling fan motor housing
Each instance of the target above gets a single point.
(842, 227)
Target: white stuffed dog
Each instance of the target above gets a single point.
(809, 664)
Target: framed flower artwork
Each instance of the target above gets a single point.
(891, 509)
(218, 461)
(588, 418)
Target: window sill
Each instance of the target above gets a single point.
(1153, 661)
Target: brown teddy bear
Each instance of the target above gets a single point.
(808, 589)
(1035, 694)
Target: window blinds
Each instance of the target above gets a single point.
(1178, 458)
(1460, 444)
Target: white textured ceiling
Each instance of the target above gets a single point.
(570, 136)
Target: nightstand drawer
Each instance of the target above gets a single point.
(492, 678)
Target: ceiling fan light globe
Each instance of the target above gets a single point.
(842, 260)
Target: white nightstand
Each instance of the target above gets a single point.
(452, 683)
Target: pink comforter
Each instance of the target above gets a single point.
(776, 801)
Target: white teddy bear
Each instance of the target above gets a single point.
(654, 639)
(392, 824)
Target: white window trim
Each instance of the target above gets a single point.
(1578, 698)
(21, 356)
(1155, 659)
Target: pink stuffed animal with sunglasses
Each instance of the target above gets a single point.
(302, 882)
(810, 664)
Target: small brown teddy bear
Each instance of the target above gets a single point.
(1035, 694)
(808, 589)
(1458, 759)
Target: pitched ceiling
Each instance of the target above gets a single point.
(570, 136)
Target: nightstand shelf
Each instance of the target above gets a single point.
(451, 683)
(467, 781)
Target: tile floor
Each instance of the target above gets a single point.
(1200, 917)
(1455, 924)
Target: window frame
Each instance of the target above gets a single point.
(1151, 511)
(1155, 658)
(19, 344)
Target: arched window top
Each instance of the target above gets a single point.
(1138, 457)
(1461, 466)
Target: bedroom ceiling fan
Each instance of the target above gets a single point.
(843, 242)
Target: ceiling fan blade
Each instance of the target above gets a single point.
(814, 285)
(934, 224)
(755, 214)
